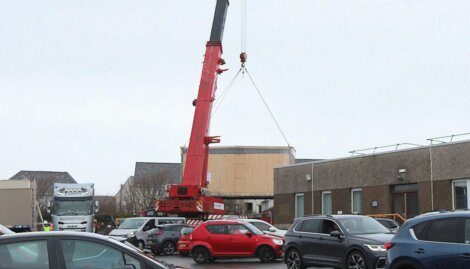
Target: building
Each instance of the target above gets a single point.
(45, 182)
(148, 182)
(406, 182)
(243, 175)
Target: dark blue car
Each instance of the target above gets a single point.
(438, 240)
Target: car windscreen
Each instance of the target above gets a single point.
(132, 223)
(72, 207)
(362, 225)
(253, 229)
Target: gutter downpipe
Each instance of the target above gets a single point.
(432, 179)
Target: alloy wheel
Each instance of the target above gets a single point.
(169, 248)
(293, 260)
(356, 261)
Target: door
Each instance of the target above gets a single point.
(238, 242)
(309, 232)
(27, 254)
(217, 238)
(330, 249)
(405, 200)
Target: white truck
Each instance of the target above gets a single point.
(73, 207)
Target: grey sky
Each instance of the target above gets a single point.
(91, 87)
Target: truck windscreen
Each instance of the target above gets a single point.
(73, 207)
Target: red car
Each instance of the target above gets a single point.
(233, 239)
(184, 245)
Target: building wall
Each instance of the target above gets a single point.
(375, 175)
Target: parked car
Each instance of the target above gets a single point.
(339, 241)
(5, 230)
(184, 245)
(163, 239)
(233, 239)
(53, 250)
(432, 241)
(390, 224)
(135, 229)
(266, 227)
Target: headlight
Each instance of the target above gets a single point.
(131, 234)
(376, 247)
(278, 242)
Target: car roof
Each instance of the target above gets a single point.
(223, 221)
(437, 215)
(334, 217)
(54, 234)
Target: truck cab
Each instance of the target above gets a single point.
(73, 207)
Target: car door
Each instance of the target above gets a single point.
(238, 242)
(143, 232)
(445, 244)
(217, 238)
(29, 253)
(331, 249)
(309, 233)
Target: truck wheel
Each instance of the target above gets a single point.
(168, 248)
(200, 255)
(266, 254)
(141, 245)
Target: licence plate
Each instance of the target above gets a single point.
(182, 245)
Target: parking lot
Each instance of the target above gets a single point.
(188, 262)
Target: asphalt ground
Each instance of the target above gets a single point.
(188, 262)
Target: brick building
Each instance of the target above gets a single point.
(406, 182)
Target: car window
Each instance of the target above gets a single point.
(217, 229)
(187, 230)
(80, 254)
(236, 229)
(329, 226)
(419, 230)
(25, 255)
(151, 223)
(133, 261)
(260, 225)
(312, 226)
(447, 230)
(467, 231)
(176, 228)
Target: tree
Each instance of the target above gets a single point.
(140, 193)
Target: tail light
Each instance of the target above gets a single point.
(388, 245)
(191, 238)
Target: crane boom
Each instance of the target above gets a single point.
(188, 198)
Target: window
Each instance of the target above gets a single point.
(133, 261)
(151, 223)
(299, 205)
(262, 226)
(27, 255)
(312, 226)
(217, 229)
(356, 201)
(329, 226)
(236, 229)
(461, 197)
(326, 208)
(446, 230)
(80, 254)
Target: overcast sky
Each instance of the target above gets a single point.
(91, 87)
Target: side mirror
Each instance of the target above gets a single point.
(272, 229)
(249, 234)
(337, 234)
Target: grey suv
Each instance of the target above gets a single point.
(163, 238)
(339, 241)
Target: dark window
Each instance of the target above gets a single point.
(27, 255)
(419, 230)
(448, 230)
(176, 228)
(467, 231)
(237, 229)
(312, 226)
(151, 223)
(329, 226)
(217, 229)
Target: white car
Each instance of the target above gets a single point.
(5, 230)
(266, 227)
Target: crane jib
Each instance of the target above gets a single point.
(218, 23)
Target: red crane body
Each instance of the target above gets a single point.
(189, 198)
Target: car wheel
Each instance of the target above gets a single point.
(356, 261)
(293, 259)
(168, 248)
(141, 244)
(266, 254)
(184, 253)
(200, 255)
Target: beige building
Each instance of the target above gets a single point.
(245, 174)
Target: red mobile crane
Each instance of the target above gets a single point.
(189, 198)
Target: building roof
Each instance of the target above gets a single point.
(57, 177)
(248, 150)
